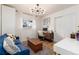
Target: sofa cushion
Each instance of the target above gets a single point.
(17, 41)
(21, 47)
(24, 50)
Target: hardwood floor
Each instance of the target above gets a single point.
(47, 44)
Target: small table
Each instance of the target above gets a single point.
(67, 46)
(35, 44)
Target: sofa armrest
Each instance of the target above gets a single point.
(2, 50)
(17, 41)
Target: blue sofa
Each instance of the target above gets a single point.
(24, 50)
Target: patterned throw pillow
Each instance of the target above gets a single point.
(11, 36)
(10, 46)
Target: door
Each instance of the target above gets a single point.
(8, 20)
(65, 25)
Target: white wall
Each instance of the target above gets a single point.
(24, 32)
(0, 19)
(67, 18)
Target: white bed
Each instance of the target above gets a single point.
(67, 46)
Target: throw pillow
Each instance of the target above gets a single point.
(10, 46)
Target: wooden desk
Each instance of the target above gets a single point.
(49, 36)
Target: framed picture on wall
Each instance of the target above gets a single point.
(27, 23)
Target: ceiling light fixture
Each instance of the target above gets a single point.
(37, 10)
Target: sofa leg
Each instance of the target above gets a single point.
(56, 53)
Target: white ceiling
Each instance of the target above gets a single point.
(49, 8)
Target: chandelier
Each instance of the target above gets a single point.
(37, 10)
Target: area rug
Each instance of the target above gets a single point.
(47, 49)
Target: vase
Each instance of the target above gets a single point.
(72, 35)
(77, 36)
